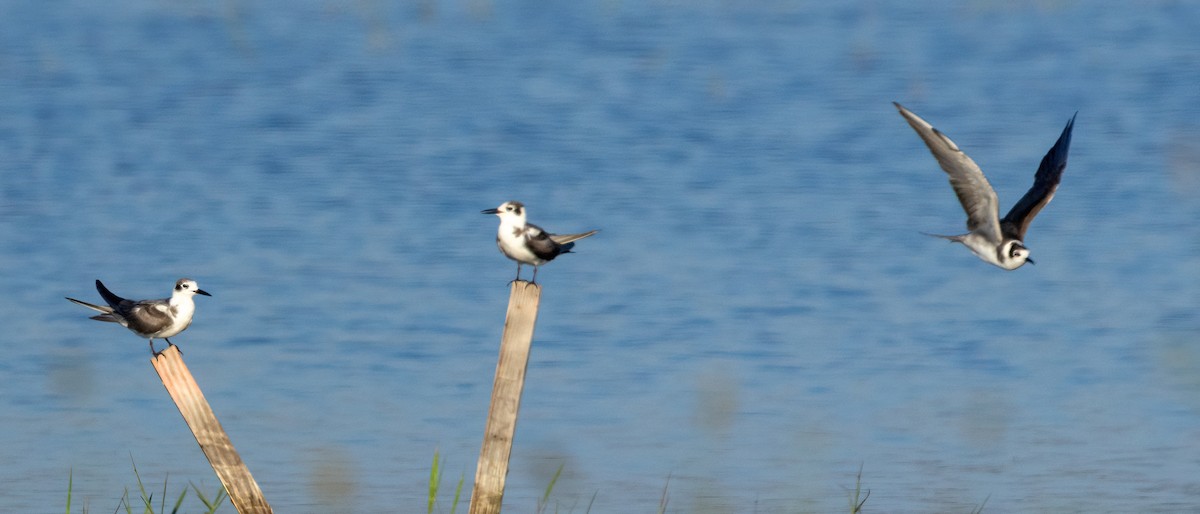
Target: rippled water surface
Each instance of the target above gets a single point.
(758, 319)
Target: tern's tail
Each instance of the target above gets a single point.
(112, 299)
(107, 316)
(563, 239)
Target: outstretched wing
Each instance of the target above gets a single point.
(1045, 183)
(976, 195)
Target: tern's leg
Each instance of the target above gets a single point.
(534, 281)
(152, 351)
(170, 344)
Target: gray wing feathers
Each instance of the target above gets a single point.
(1045, 183)
(147, 316)
(974, 192)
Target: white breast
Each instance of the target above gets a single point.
(182, 317)
(513, 246)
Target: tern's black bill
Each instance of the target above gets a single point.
(203, 292)
(1027, 259)
(490, 211)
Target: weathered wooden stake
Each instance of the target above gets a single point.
(243, 491)
(506, 398)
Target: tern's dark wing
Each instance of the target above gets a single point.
(974, 192)
(540, 243)
(111, 299)
(123, 307)
(1045, 183)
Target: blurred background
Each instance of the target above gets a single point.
(759, 318)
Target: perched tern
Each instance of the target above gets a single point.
(149, 319)
(527, 243)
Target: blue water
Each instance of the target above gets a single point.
(758, 319)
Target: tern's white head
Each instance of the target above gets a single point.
(510, 213)
(1014, 254)
(186, 288)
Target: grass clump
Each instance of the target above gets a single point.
(145, 501)
(435, 483)
(857, 497)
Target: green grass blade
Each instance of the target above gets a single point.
(435, 481)
(70, 485)
(146, 499)
(175, 509)
(662, 502)
(592, 502)
(457, 492)
(125, 501)
(222, 495)
(200, 495)
(162, 502)
(982, 505)
(542, 503)
(213, 505)
(858, 499)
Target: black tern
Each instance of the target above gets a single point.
(527, 243)
(999, 241)
(150, 319)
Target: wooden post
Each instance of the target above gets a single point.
(488, 494)
(243, 491)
